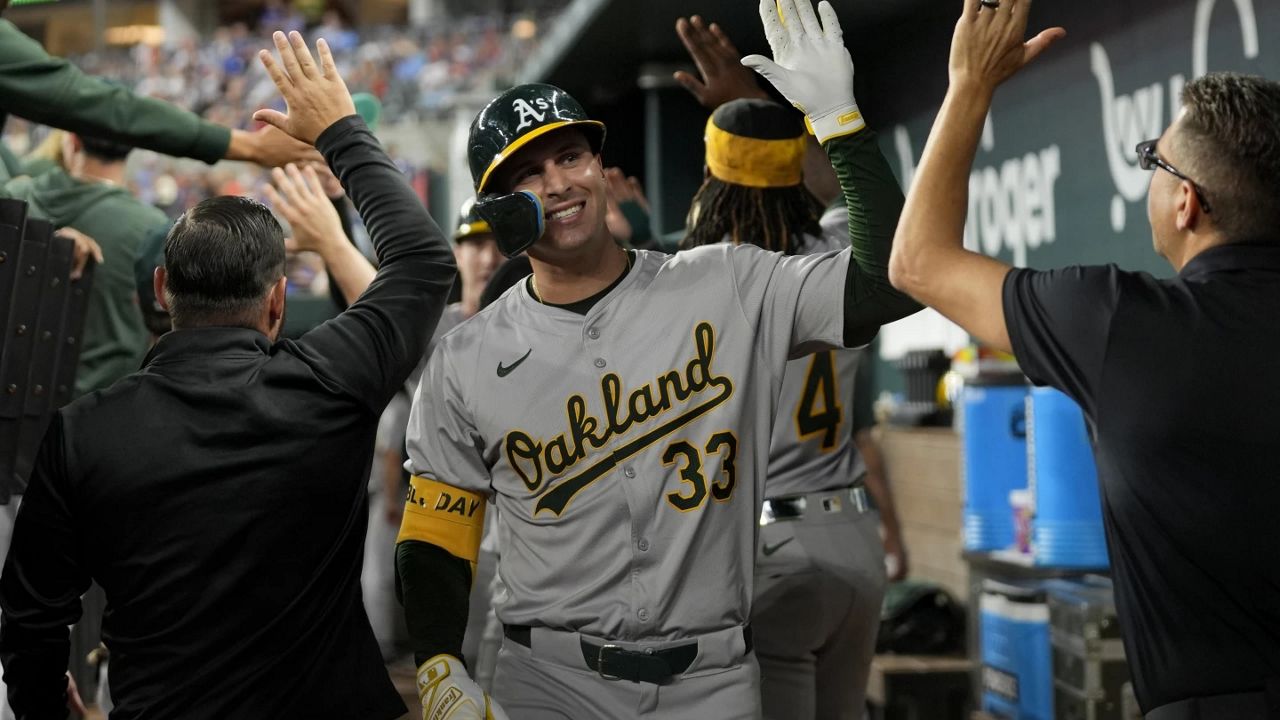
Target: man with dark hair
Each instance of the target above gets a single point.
(1176, 377)
(1229, 139)
(90, 196)
(753, 192)
(218, 495)
(223, 261)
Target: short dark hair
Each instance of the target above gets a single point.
(104, 150)
(1231, 137)
(220, 259)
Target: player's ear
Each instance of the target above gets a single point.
(157, 286)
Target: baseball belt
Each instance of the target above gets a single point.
(794, 507)
(615, 663)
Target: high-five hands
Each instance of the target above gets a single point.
(315, 95)
(721, 77)
(300, 197)
(810, 65)
(987, 47)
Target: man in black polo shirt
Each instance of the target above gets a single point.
(1177, 377)
(218, 495)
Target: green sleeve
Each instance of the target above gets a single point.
(52, 91)
(10, 165)
(874, 201)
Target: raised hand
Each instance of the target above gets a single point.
(810, 65)
(314, 94)
(722, 76)
(987, 47)
(299, 197)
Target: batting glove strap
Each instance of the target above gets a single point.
(447, 692)
(841, 121)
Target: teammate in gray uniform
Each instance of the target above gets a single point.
(820, 570)
(721, 78)
(615, 408)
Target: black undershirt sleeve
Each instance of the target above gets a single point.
(435, 588)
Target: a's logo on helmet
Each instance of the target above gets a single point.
(527, 114)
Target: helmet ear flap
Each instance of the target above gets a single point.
(516, 219)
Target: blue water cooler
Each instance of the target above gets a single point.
(1017, 659)
(1067, 530)
(995, 461)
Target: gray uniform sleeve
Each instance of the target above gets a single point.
(797, 301)
(443, 443)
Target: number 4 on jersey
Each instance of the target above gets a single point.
(819, 410)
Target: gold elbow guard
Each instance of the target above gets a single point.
(444, 516)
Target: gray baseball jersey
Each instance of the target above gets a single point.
(626, 449)
(812, 448)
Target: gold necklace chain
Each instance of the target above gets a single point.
(533, 280)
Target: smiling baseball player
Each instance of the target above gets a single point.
(617, 408)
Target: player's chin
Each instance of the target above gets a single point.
(575, 234)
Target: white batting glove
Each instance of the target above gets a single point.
(810, 66)
(448, 693)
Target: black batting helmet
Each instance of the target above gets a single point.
(516, 117)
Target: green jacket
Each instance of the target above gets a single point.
(52, 91)
(115, 338)
(10, 165)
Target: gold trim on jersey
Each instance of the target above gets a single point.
(443, 515)
(534, 459)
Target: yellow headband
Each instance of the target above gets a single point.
(753, 162)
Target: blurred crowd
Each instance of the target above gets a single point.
(413, 72)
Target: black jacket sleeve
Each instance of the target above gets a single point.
(371, 348)
(874, 201)
(40, 589)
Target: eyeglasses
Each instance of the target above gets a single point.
(1149, 159)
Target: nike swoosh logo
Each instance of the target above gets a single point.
(771, 549)
(505, 371)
